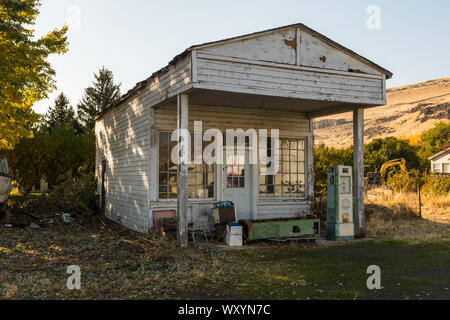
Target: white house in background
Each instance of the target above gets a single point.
(440, 162)
(275, 79)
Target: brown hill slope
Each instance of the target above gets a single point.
(410, 110)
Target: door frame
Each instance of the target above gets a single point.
(254, 187)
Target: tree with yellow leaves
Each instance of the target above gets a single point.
(25, 74)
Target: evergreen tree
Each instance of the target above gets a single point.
(98, 98)
(62, 113)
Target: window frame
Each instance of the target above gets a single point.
(444, 164)
(158, 175)
(437, 167)
(307, 165)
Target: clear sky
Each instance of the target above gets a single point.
(134, 38)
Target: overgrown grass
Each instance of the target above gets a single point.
(413, 254)
(395, 215)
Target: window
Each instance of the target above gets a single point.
(437, 167)
(290, 179)
(200, 177)
(446, 167)
(236, 171)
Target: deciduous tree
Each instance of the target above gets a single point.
(25, 74)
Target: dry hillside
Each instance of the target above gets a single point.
(410, 110)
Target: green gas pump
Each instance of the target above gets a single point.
(340, 224)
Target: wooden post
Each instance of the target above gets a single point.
(182, 172)
(358, 172)
(420, 199)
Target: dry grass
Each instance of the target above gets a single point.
(114, 262)
(121, 264)
(396, 216)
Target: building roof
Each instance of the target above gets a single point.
(186, 52)
(440, 153)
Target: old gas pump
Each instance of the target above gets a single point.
(340, 203)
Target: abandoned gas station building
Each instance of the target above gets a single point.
(276, 79)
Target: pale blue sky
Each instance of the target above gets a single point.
(134, 38)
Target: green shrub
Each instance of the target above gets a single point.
(436, 185)
(404, 181)
(74, 194)
(407, 181)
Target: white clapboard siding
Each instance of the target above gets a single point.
(253, 77)
(170, 83)
(272, 47)
(122, 139)
(289, 123)
(315, 52)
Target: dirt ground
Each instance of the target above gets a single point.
(117, 263)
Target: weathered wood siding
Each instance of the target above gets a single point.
(317, 53)
(289, 123)
(253, 77)
(288, 63)
(174, 81)
(123, 140)
(272, 47)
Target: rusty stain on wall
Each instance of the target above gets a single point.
(323, 59)
(291, 43)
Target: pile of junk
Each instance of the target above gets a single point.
(222, 224)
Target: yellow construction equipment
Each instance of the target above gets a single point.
(379, 178)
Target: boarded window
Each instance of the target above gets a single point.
(289, 181)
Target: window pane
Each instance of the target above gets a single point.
(163, 179)
(301, 179)
(200, 176)
(293, 144)
(301, 155)
(289, 181)
(241, 182)
(446, 167)
(162, 195)
(278, 191)
(172, 179)
(191, 192)
(301, 167)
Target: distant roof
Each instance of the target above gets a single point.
(439, 153)
(180, 56)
